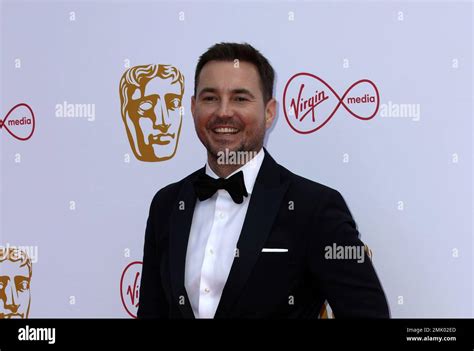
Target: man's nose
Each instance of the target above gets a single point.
(10, 302)
(224, 109)
(161, 117)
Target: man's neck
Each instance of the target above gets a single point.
(224, 169)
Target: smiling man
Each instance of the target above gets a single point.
(249, 239)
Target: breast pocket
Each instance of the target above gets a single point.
(274, 250)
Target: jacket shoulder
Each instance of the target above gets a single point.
(306, 187)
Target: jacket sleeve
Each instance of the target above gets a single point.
(152, 300)
(339, 263)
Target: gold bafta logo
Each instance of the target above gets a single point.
(151, 106)
(15, 278)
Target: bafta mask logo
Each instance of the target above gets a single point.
(150, 97)
(15, 278)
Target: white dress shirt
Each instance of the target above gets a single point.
(215, 230)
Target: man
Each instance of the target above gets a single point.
(15, 278)
(150, 98)
(255, 244)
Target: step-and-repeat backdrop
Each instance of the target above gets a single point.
(374, 99)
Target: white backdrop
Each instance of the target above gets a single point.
(76, 198)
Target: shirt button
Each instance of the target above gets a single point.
(206, 290)
(211, 251)
(221, 215)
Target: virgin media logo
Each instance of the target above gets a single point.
(130, 287)
(309, 102)
(19, 122)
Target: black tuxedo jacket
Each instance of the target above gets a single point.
(286, 211)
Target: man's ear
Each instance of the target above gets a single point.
(193, 105)
(270, 113)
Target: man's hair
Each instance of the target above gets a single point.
(241, 52)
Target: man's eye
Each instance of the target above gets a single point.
(209, 98)
(241, 99)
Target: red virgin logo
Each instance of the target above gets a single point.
(19, 122)
(130, 287)
(309, 102)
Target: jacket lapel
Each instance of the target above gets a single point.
(263, 208)
(180, 226)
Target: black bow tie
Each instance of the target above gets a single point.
(206, 186)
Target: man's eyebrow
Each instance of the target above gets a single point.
(207, 90)
(234, 91)
(243, 91)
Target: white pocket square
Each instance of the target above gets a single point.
(274, 250)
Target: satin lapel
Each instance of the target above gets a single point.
(180, 225)
(265, 201)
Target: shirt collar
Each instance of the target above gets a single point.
(250, 170)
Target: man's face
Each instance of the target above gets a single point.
(14, 290)
(153, 119)
(228, 109)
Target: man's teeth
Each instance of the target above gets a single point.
(226, 130)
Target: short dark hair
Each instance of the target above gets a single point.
(242, 52)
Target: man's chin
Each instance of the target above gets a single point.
(216, 150)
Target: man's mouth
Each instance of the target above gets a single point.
(225, 130)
